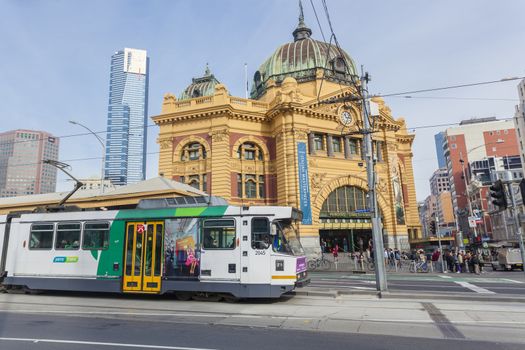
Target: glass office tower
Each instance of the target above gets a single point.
(126, 138)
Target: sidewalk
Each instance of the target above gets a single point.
(345, 263)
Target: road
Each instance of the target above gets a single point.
(41, 332)
(82, 321)
(489, 283)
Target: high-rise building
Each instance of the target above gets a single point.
(126, 138)
(440, 154)
(439, 181)
(22, 171)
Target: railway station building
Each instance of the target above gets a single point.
(283, 146)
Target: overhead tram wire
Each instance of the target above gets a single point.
(397, 94)
(459, 98)
(78, 134)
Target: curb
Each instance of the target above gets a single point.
(397, 295)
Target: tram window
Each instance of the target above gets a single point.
(218, 234)
(96, 235)
(260, 233)
(41, 236)
(68, 236)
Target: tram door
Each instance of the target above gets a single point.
(143, 258)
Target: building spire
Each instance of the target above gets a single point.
(302, 31)
(207, 71)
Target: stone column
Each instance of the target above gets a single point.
(311, 148)
(347, 148)
(329, 145)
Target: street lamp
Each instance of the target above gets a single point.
(101, 141)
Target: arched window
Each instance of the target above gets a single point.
(193, 151)
(346, 200)
(250, 151)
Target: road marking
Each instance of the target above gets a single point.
(365, 288)
(443, 276)
(124, 345)
(513, 281)
(474, 288)
(442, 322)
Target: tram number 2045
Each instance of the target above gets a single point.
(260, 252)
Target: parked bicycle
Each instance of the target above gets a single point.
(319, 263)
(418, 266)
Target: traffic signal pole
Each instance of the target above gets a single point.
(381, 284)
(515, 215)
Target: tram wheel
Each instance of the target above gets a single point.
(183, 296)
(203, 296)
(230, 298)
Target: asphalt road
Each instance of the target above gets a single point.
(46, 332)
(489, 283)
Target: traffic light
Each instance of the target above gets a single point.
(497, 192)
(433, 227)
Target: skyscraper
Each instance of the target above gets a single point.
(22, 171)
(126, 138)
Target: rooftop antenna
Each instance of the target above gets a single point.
(63, 167)
(246, 78)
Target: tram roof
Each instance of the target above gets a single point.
(157, 187)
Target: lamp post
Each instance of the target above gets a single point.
(101, 141)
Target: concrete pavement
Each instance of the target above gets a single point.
(357, 314)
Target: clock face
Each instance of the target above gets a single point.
(346, 118)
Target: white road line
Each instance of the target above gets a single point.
(475, 288)
(124, 345)
(444, 276)
(513, 281)
(365, 288)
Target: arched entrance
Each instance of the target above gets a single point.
(345, 220)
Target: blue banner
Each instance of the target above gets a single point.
(304, 183)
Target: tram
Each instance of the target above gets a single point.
(190, 246)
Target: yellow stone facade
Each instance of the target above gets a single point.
(286, 115)
(247, 150)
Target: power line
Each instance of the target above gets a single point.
(458, 98)
(450, 87)
(75, 135)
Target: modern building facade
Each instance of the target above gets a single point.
(126, 138)
(439, 181)
(22, 171)
(283, 147)
(472, 141)
(439, 138)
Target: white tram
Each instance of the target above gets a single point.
(194, 246)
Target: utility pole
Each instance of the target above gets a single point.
(439, 238)
(515, 214)
(381, 284)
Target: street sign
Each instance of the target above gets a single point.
(472, 221)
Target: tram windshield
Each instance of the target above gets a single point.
(286, 239)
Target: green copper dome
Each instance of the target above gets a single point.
(301, 59)
(203, 86)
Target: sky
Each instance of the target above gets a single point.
(55, 59)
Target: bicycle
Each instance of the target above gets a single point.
(420, 266)
(321, 263)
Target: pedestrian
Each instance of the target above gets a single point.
(335, 253)
(460, 262)
(475, 264)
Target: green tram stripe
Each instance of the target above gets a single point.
(147, 214)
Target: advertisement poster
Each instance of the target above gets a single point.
(182, 252)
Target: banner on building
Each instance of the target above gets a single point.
(304, 183)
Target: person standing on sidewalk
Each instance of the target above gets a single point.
(475, 264)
